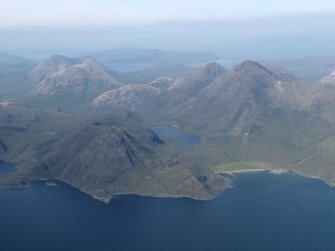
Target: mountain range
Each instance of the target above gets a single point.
(80, 123)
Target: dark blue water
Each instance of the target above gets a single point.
(6, 167)
(183, 138)
(262, 212)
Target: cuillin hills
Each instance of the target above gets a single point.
(102, 142)
(251, 113)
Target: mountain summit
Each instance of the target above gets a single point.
(73, 80)
(236, 101)
(50, 66)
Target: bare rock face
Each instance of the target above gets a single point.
(328, 79)
(128, 97)
(73, 78)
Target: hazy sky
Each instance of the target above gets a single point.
(132, 12)
(238, 29)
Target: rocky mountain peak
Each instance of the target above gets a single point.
(129, 97)
(91, 61)
(92, 65)
(72, 80)
(251, 66)
(57, 62)
(214, 69)
(49, 66)
(254, 68)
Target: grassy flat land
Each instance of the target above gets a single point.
(238, 166)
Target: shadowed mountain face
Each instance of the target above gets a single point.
(21, 127)
(13, 71)
(71, 80)
(94, 158)
(92, 154)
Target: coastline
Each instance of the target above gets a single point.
(331, 184)
(163, 196)
(280, 171)
(108, 199)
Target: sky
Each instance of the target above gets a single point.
(18, 13)
(234, 29)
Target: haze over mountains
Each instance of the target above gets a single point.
(79, 121)
(12, 70)
(137, 59)
(311, 69)
(262, 37)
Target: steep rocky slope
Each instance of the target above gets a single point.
(237, 100)
(161, 93)
(128, 97)
(60, 80)
(252, 113)
(51, 66)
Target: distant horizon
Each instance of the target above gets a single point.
(255, 29)
(221, 58)
(20, 13)
(273, 38)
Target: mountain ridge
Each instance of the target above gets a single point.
(70, 80)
